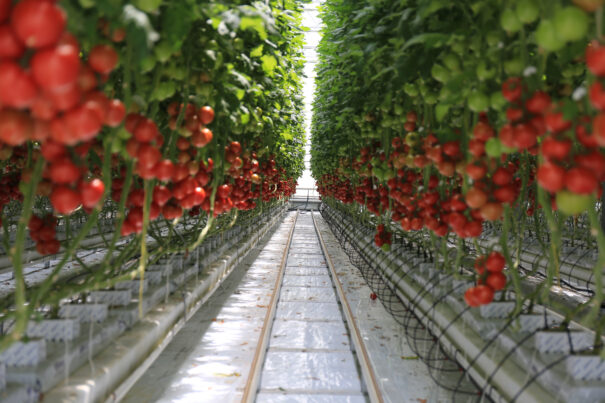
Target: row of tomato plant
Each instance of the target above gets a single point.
(154, 113)
(448, 118)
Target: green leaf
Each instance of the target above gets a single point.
(176, 23)
(429, 40)
(255, 23)
(257, 51)
(268, 63)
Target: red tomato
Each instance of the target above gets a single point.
(17, 89)
(525, 136)
(56, 67)
(52, 151)
(161, 195)
(595, 58)
(148, 155)
(64, 98)
(484, 294)
(496, 280)
(201, 137)
(10, 46)
(164, 170)
(15, 127)
(5, 9)
(538, 103)
(38, 23)
(103, 59)
(64, 171)
(580, 180)
(115, 113)
(555, 149)
(491, 211)
(495, 262)
(502, 177)
(206, 115)
(145, 130)
(35, 223)
(475, 198)
(512, 89)
(470, 297)
(551, 177)
(84, 122)
(65, 200)
(170, 211)
(92, 192)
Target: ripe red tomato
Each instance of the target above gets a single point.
(206, 115)
(56, 67)
(64, 98)
(475, 198)
(145, 130)
(92, 192)
(495, 262)
(170, 211)
(38, 23)
(5, 8)
(201, 137)
(17, 89)
(103, 59)
(84, 122)
(496, 280)
(10, 46)
(538, 103)
(161, 195)
(551, 177)
(505, 194)
(502, 177)
(491, 211)
(484, 294)
(65, 200)
(507, 135)
(525, 136)
(470, 297)
(148, 155)
(476, 171)
(512, 89)
(15, 127)
(555, 149)
(580, 180)
(555, 122)
(35, 223)
(235, 147)
(595, 58)
(115, 113)
(593, 161)
(180, 172)
(64, 171)
(164, 170)
(224, 191)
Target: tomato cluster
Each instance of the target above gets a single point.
(451, 131)
(43, 231)
(54, 101)
(491, 278)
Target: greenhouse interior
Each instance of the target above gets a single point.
(324, 201)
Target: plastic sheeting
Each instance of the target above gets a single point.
(401, 376)
(209, 359)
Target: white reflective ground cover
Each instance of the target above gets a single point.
(209, 359)
(309, 357)
(401, 376)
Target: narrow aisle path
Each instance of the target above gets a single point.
(309, 356)
(209, 359)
